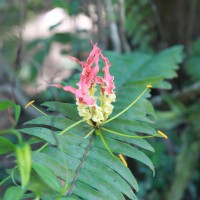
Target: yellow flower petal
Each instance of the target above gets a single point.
(28, 104)
(162, 134)
(98, 115)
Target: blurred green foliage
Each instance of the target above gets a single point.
(192, 64)
(72, 157)
(149, 26)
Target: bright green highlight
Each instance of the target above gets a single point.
(129, 136)
(69, 127)
(104, 142)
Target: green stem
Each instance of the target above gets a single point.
(37, 198)
(4, 180)
(104, 142)
(61, 133)
(39, 110)
(13, 176)
(5, 131)
(69, 127)
(42, 147)
(129, 136)
(127, 108)
(89, 133)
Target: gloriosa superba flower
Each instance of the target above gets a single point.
(96, 108)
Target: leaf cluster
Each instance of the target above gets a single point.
(70, 166)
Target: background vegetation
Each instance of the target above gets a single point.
(33, 49)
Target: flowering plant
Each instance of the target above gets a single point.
(94, 108)
(66, 158)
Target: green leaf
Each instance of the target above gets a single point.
(17, 113)
(10, 104)
(142, 143)
(6, 146)
(87, 192)
(13, 192)
(133, 126)
(127, 150)
(69, 110)
(23, 156)
(47, 176)
(42, 133)
(109, 176)
(140, 66)
(108, 189)
(6, 104)
(47, 196)
(59, 123)
(84, 164)
(59, 156)
(113, 164)
(59, 168)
